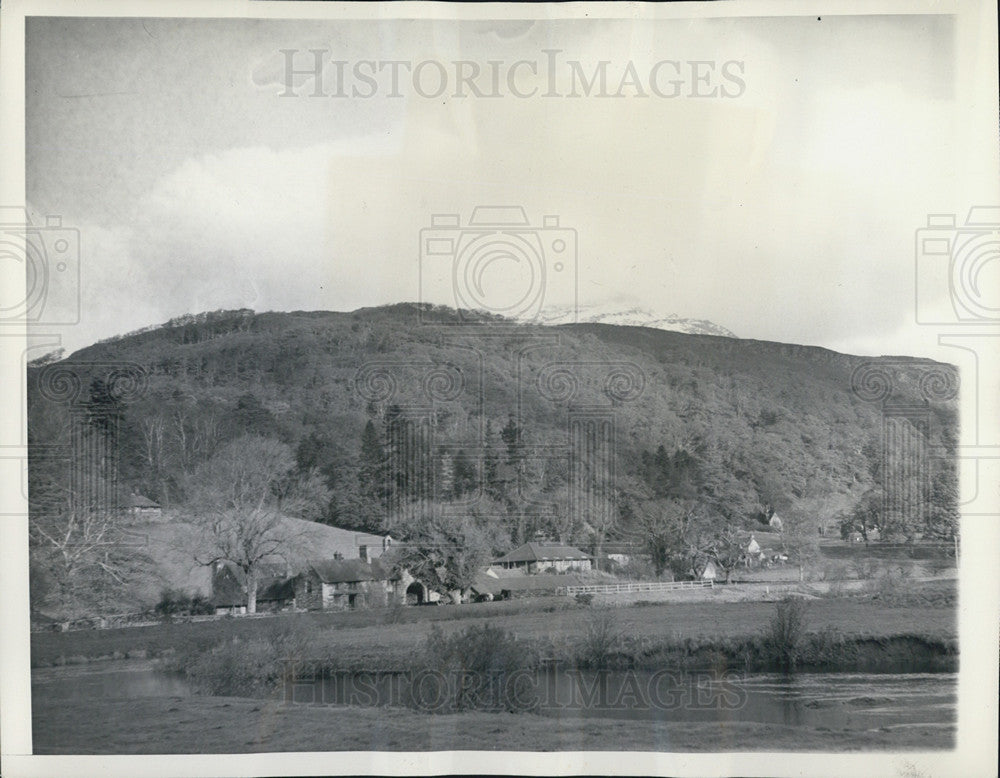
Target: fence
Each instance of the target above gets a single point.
(635, 586)
(114, 621)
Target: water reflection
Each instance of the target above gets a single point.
(832, 700)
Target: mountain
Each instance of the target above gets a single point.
(529, 427)
(628, 317)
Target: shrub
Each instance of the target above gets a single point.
(584, 598)
(174, 602)
(828, 647)
(865, 567)
(785, 632)
(481, 666)
(890, 586)
(241, 667)
(601, 642)
(835, 589)
(247, 668)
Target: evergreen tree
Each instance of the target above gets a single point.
(372, 470)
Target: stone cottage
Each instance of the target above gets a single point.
(335, 584)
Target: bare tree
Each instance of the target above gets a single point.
(800, 539)
(195, 434)
(663, 524)
(86, 555)
(445, 552)
(724, 545)
(240, 497)
(599, 516)
(153, 432)
(84, 559)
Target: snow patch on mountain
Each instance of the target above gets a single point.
(629, 317)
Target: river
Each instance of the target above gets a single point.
(832, 700)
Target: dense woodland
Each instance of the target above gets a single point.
(408, 420)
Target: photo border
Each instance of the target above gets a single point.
(979, 597)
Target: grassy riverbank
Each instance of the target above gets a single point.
(844, 631)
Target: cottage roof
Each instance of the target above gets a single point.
(768, 541)
(543, 552)
(706, 568)
(485, 584)
(382, 571)
(140, 501)
(348, 570)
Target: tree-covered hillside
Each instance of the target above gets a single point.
(409, 414)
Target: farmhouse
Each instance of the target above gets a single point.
(536, 557)
(334, 584)
(275, 589)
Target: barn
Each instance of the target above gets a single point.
(535, 557)
(275, 589)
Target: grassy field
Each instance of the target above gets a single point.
(388, 638)
(164, 725)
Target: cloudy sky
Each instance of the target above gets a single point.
(783, 208)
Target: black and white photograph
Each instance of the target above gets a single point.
(441, 387)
